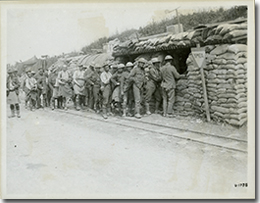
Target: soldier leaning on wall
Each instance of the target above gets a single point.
(169, 77)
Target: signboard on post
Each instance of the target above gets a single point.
(199, 57)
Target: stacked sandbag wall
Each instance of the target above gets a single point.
(226, 83)
(183, 105)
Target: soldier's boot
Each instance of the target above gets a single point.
(12, 111)
(65, 103)
(157, 104)
(95, 108)
(12, 114)
(17, 110)
(147, 106)
(77, 103)
(164, 109)
(52, 103)
(104, 113)
(170, 110)
(137, 113)
(124, 113)
(109, 112)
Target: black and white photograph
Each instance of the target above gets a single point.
(128, 100)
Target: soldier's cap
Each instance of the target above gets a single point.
(33, 72)
(168, 57)
(10, 70)
(141, 60)
(129, 64)
(155, 60)
(120, 66)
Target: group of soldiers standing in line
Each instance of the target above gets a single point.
(111, 89)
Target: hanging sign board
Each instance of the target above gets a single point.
(198, 55)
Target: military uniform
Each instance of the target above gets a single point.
(137, 76)
(94, 84)
(64, 79)
(118, 92)
(41, 89)
(79, 87)
(12, 87)
(31, 91)
(153, 87)
(127, 88)
(169, 77)
(106, 91)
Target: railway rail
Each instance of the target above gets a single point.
(220, 141)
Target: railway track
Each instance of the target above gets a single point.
(220, 141)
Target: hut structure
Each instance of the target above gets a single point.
(225, 68)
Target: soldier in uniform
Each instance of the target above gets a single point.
(169, 77)
(30, 88)
(153, 86)
(12, 88)
(127, 89)
(54, 86)
(64, 80)
(137, 76)
(94, 83)
(89, 88)
(79, 86)
(106, 91)
(41, 88)
(117, 97)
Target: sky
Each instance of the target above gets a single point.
(53, 29)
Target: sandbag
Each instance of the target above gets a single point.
(219, 61)
(228, 56)
(220, 109)
(222, 100)
(219, 50)
(211, 76)
(241, 60)
(236, 48)
(218, 114)
(238, 33)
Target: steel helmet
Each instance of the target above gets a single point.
(129, 64)
(114, 66)
(92, 64)
(168, 57)
(97, 65)
(141, 60)
(64, 66)
(120, 66)
(155, 60)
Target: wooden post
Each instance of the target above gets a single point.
(205, 93)
(204, 87)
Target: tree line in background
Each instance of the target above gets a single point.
(188, 21)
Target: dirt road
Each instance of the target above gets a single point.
(50, 154)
